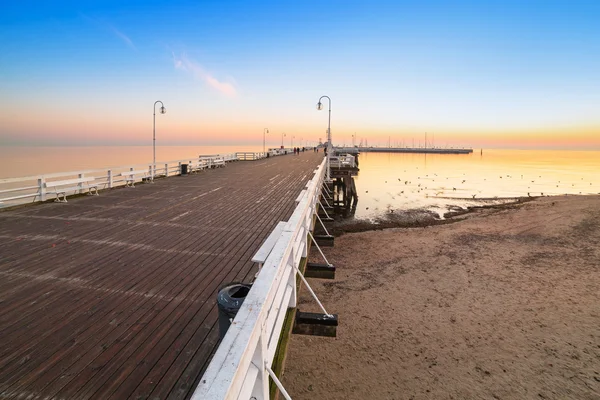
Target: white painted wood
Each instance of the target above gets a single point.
(61, 188)
(42, 185)
(130, 176)
(265, 249)
(250, 379)
(301, 195)
(18, 197)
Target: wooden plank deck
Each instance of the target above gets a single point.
(113, 297)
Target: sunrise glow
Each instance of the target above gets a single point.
(510, 74)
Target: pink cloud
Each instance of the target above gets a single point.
(184, 64)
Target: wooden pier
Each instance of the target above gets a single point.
(113, 296)
(417, 150)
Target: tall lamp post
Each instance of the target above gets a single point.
(162, 110)
(265, 131)
(320, 107)
(292, 141)
(282, 136)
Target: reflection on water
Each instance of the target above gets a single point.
(391, 181)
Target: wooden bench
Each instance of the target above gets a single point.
(61, 188)
(130, 176)
(212, 161)
(195, 166)
(218, 162)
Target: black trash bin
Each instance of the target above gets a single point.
(229, 301)
(184, 169)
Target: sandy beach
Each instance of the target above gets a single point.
(502, 304)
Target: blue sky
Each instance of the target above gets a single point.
(473, 72)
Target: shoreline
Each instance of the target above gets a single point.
(502, 303)
(420, 217)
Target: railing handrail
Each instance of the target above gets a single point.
(343, 159)
(253, 336)
(115, 168)
(110, 175)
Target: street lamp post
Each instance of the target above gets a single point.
(292, 141)
(265, 131)
(282, 136)
(162, 110)
(320, 107)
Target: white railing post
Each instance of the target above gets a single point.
(42, 188)
(110, 179)
(179, 168)
(80, 184)
(307, 223)
(292, 282)
(261, 388)
(166, 170)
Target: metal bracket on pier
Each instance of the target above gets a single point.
(319, 248)
(328, 218)
(323, 225)
(312, 292)
(317, 270)
(277, 382)
(324, 210)
(327, 189)
(326, 202)
(313, 323)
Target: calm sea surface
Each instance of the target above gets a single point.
(26, 161)
(391, 181)
(386, 181)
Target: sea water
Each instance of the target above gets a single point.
(386, 183)
(391, 182)
(16, 161)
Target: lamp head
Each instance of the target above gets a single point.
(319, 106)
(163, 110)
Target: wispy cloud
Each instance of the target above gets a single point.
(122, 36)
(183, 63)
(102, 25)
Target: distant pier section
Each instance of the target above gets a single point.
(422, 150)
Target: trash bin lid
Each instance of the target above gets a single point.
(232, 296)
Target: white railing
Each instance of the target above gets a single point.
(250, 156)
(343, 160)
(280, 152)
(241, 365)
(14, 191)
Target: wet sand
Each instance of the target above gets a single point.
(504, 303)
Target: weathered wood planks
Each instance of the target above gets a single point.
(114, 296)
